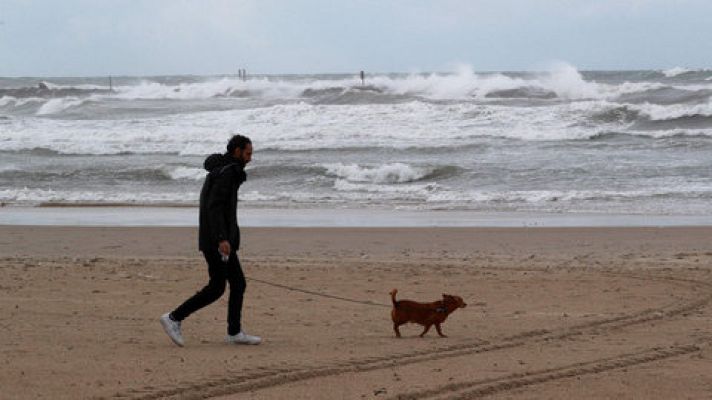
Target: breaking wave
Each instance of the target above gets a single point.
(666, 95)
(100, 173)
(56, 106)
(50, 196)
(673, 72)
(185, 173)
(561, 81)
(387, 173)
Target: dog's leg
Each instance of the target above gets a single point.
(437, 328)
(427, 328)
(395, 328)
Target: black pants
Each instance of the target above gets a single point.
(219, 272)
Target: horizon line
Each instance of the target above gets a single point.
(356, 72)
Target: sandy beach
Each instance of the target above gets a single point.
(556, 313)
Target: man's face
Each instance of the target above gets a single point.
(244, 155)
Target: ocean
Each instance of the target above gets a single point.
(556, 141)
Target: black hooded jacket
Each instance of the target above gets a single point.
(218, 202)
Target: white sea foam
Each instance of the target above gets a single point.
(430, 193)
(15, 102)
(673, 72)
(263, 87)
(55, 106)
(82, 86)
(37, 196)
(155, 90)
(562, 79)
(304, 126)
(613, 91)
(388, 173)
(666, 112)
(561, 196)
(256, 196)
(463, 83)
(187, 173)
(346, 186)
(568, 83)
(5, 100)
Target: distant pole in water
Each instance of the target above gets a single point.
(363, 79)
(111, 86)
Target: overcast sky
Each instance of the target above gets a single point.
(158, 37)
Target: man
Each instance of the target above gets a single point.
(219, 240)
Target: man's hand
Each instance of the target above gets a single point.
(224, 247)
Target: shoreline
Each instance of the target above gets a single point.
(332, 217)
(366, 243)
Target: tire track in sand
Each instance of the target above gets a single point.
(275, 376)
(481, 388)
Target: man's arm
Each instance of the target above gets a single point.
(218, 198)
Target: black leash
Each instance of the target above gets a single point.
(365, 302)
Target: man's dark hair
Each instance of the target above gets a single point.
(237, 141)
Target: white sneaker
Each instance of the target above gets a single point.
(243, 338)
(172, 329)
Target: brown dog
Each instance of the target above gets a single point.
(426, 314)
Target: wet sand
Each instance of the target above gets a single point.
(558, 313)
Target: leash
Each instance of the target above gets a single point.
(329, 296)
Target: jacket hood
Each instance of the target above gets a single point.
(217, 160)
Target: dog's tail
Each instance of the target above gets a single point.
(393, 297)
